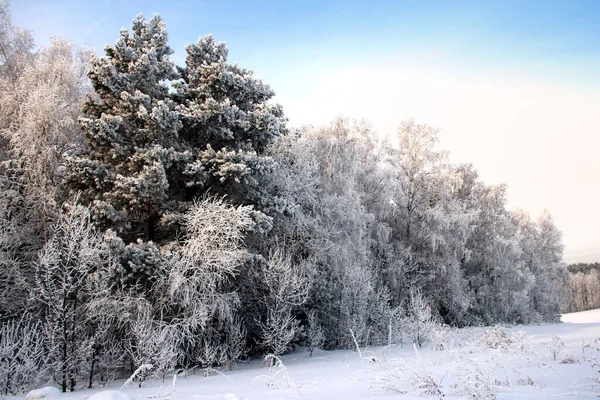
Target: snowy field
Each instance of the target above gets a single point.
(522, 362)
(583, 317)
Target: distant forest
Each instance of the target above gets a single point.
(584, 287)
(584, 268)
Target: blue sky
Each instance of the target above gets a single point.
(513, 85)
(554, 38)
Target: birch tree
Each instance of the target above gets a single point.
(73, 252)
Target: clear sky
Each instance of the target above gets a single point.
(514, 86)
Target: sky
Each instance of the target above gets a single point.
(513, 86)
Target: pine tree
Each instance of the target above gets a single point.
(151, 153)
(131, 129)
(227, 123)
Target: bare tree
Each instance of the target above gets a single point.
(21, 355)
(286, 288)
(193, 276)
(150, 342)
(40, 114)
(420, 322)
(73, 252)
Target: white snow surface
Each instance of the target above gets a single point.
(48, 392)
(583, 317)
(519, 362)
(111, 395)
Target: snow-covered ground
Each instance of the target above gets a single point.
(522, 362)
(583, 317)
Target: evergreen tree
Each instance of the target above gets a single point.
(227, 124)
(131, 130)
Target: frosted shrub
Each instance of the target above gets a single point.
(496, 338)
(421, 323)
(405, 374)
(235, 343)
(210, 353)
(555, 347)
(276, 369)
(287, 288)
(315, 334)
(390, 381)
(277, 331)
(21, 353)
(62, 274)
(521, 343)
(439, 337)
(106, 363)
(476, 379)
(151, 343)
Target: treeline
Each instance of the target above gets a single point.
(155, 217)
(584, 287)
(584, 268)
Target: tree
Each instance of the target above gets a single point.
(420, 320)
(498, 281)
(41, 97)
(131, 128)
(21, 355)
(429, 225)
(542, 253)
(16, 47)
(319, 219)
(48, 95)
(227, 125)
(151, 153)
(74, 251)
(191, 288)
(151, 343)
(287, 288)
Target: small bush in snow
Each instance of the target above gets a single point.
(555, 347)
(404, 373)
(276, 369)
(496, 338)
(420, 323)
(567, 359)
(439, 337)
(520, 343)
(315, 333)
(287, 288)
(476, 379)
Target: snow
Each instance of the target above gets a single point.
(521, 362)
(48, 392)
(110, 395)
(583, 317)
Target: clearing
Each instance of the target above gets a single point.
(520, 362)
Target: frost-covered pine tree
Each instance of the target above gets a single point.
(227, 123)
(151, 152)
(131, 130)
